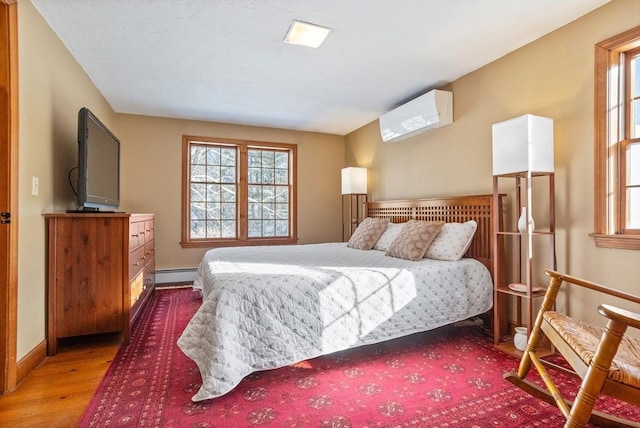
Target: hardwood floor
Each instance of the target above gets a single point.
(56, 393)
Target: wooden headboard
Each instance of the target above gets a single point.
(449, 209)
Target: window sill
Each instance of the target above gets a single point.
(238, 243)
(623, 242)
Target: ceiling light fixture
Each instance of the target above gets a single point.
(306, 34)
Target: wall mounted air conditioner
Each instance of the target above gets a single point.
(429, 111)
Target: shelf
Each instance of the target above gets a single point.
(537, 232)
(522, 256)
(507, 290)
(508, 348)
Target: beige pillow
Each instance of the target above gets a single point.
(414, 239)
(452, 241)
(368, 233)
(390, 234)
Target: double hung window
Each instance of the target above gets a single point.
(238, 193)
(617, 141)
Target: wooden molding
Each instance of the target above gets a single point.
(607, 55)
(8, 193)
(31, 360)
(623, 242)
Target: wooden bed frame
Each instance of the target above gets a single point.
(449, 209)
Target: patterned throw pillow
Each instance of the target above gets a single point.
(414, 239)
(368, 233)
(391, 233)
(452, 241)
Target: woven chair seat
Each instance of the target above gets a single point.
(583, 338)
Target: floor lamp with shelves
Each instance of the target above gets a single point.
(523, 158)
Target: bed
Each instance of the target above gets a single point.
(268, 307)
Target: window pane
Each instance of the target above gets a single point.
(268, 228)
(635, 119)
(282, 228)
(634, 97)
(282, 160)
(255, 158)
(255, 228)
(198, 229)
(635, 77)
(213, 210)
(228, 229)
(633, 164)
(268, 176)
(255, 175)
(198, 211)
(255, 193)
(282, 194)
(213, 229)
(228, 174)
(213, 193)
(268, 159)
(228, 193)
(282, 176)
(213, 156)
(198, 155)
(268, 211)
(228, 211)
(255, 211)
(228, 157)
(633, 212)
(198, 193)
(268, 193)
(282, 211)
(213, 174)
(198, 173)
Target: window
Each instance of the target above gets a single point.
(617, 141)
(238, 193)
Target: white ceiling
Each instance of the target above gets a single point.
(224, 60)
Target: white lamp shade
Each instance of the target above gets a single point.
(354, 181)
(523, 144)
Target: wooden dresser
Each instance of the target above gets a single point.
(101, 271)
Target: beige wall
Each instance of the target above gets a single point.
(553, 77)
(152, 178)
(53, 87)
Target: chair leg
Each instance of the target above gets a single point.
(536, 332)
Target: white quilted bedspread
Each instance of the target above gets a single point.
(267, 307)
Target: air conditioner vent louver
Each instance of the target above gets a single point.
(429, 111)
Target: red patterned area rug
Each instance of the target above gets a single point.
(447, 378)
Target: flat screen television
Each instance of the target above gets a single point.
(98, 165)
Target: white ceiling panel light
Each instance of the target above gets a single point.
(306, 34)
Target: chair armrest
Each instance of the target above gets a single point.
(592, 286)
(629, 318)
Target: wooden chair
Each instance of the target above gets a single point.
(607, 361)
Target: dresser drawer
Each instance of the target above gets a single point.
(134, 235)
(136, 262)
(148, 231)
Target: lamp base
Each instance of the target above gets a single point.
(353, 211)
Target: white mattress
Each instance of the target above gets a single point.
(267, 307)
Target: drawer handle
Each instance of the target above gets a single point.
(134, 236)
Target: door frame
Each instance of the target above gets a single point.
(8, 193)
